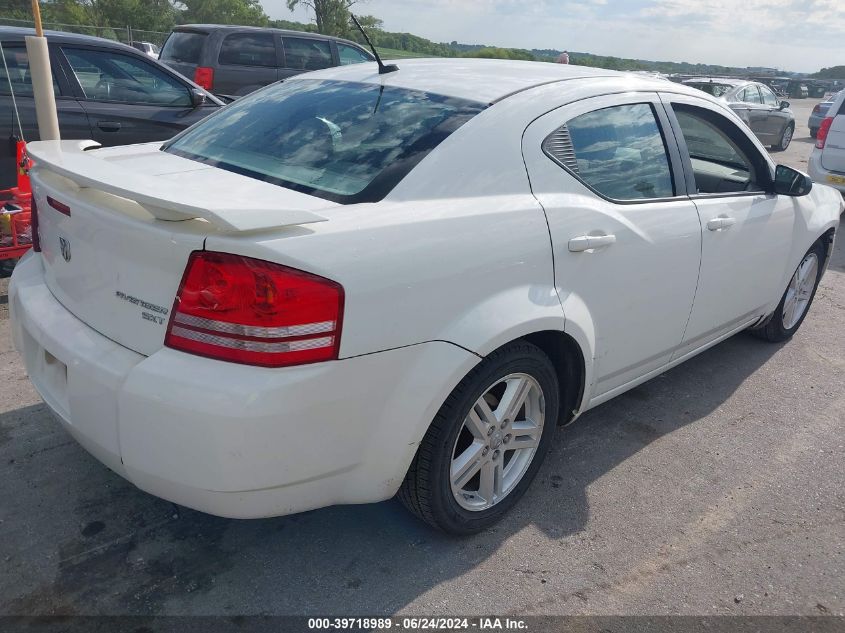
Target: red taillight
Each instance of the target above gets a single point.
(204, 77)
(36, 239)
(824, 128)
(254, 312)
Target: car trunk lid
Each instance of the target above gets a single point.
(117, 227)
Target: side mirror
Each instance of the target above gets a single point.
(791, 182)
(784, 105)
(197, 97)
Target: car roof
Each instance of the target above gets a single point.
(207, 28)
(727, 81)
(475, 79)
(18, 33)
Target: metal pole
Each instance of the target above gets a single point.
(42, 80)
(36, 15)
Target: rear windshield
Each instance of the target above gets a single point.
(711, 88)
(342, 141)
(183, 46)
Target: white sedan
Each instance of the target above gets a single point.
(349, 286)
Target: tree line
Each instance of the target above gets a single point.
(331, 17)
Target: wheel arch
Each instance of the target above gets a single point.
(568, 359)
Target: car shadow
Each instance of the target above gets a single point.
(82, 540)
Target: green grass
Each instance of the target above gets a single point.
(395, 53)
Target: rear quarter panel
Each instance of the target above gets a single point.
(458, 252)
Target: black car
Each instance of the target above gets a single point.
(235, 60)
(105, 91)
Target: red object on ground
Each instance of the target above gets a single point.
(16, 212)
(24, 164)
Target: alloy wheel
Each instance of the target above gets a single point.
(800, 290)
(497, 441)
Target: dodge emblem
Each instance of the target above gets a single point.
(65, 246)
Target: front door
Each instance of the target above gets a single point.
(626, 238)
(128, 99)
(746, 232)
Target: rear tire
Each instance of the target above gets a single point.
(785, 138)
(445, 484)
(814, 132)
(797, 298)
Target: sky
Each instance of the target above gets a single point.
(793, 35)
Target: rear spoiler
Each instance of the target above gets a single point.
(164, 199)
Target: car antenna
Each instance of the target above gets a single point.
(382, 69)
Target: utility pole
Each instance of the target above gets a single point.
(42, 80)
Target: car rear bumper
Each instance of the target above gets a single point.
(229, 439)
(824, 176)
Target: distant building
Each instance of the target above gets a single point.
(563, 58)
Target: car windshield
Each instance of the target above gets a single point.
(342, 141)
(712, 88)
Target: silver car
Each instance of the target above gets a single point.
(770, 119)
(819, 113)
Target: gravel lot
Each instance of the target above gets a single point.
(717, 488)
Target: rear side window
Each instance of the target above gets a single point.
(19, 77)
(342, 141)
(307, 54)
(618, 151)
(183, 46)
(248, 49)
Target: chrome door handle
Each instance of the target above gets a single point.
(722, 222)
(589, 242)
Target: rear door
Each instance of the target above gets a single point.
(247, 61)
(757, 115)
(128, 98)
(626, 237)
(73, 123)
(833, 154)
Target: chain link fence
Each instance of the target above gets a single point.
(125, 34)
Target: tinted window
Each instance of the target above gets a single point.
(343, 141)
(107, 76)
(769, 97)
(307, 54)
(248, 49)
(19, 75)
(351, 55)
(719, 163)
(751, 95)
(183, 46)
(619, 152)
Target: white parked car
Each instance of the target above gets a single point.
(352, 285)
(827, 160)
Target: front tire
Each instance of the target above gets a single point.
(486, 443)
(797, 299)
(785, 138)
